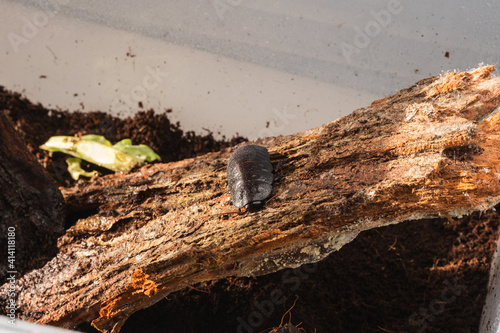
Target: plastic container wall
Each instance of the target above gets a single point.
(259, 68)
(20, 326)
(490, 318)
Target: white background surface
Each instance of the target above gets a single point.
(258, 68)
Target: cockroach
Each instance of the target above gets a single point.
(249, 176)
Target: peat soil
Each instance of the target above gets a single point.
(418, 276)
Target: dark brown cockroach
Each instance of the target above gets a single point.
(249, 176)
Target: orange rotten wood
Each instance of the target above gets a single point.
(431, 150)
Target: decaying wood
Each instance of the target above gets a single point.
(431, 150)
(31, 205)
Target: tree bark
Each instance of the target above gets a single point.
(428, 151)
(31, 205)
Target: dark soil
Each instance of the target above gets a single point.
(419, 276)
(37, 124)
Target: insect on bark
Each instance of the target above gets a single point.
(249, 176)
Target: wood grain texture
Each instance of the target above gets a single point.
(431, 150)
(30, 203)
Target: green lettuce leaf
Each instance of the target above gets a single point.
(123, 156)
(75, 168)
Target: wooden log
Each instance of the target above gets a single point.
(428, 151)
(31, 206)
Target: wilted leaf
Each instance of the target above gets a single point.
(123, 156)
(75, 169)
(141, 152)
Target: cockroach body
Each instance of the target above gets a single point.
(249, 176)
